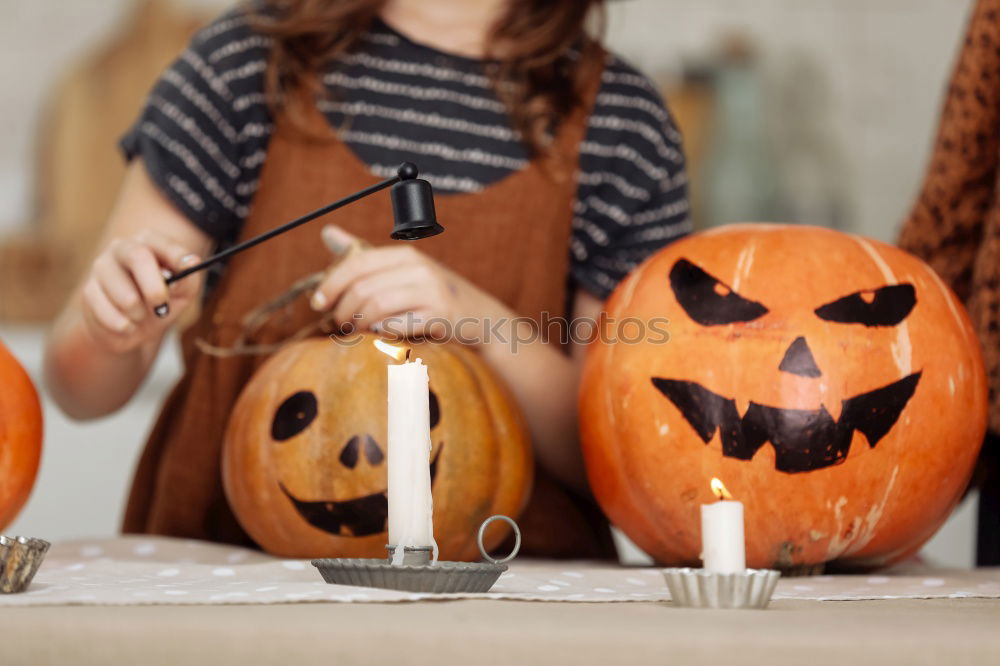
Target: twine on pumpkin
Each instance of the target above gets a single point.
(254, 320)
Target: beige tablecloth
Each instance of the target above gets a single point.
(945, 618)
(160, 571)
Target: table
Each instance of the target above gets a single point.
(912, 632)
(299, 628)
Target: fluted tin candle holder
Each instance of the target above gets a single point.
(698, 588)
(417, 573)
(20, 558)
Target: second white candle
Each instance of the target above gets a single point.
(722, 545)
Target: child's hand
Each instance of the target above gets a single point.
(401, 290)
(127, 283)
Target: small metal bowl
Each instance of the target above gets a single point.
(20, 558)
(697, 588)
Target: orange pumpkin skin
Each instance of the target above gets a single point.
(482, 453)
(650, 468)
(20, 436)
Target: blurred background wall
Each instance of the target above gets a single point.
(814, 111)
(41, 42)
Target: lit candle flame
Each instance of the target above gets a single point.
(720, 490)
(398, 354)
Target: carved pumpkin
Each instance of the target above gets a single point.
(304, 457)
(20, 436)
(833, 383)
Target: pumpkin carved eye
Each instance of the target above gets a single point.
(708, 300)
(879, 307)
(294, 415)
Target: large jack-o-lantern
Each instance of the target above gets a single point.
(304, 458)
(20, 436)
(833, 383)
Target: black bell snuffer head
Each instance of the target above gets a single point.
(413, 206)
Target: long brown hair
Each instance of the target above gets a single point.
(540, 47)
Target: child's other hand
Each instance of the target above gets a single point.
(401, 290)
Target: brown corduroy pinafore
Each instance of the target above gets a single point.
(511, 239)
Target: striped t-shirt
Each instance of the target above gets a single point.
(203, 136)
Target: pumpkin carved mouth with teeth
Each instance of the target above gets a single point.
(833, 383)
(803, 440)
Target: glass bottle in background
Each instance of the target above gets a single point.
(812, 168)
(740, 172)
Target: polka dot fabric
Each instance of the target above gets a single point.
(142, 571)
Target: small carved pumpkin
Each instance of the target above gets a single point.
(833, 383)
(304, 458)
(20, 436)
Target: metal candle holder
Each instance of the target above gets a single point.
(20, 558)
(698, 588)
(417, 573)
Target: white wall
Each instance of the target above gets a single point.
(885, 64)
(86, 467)
(38, 41)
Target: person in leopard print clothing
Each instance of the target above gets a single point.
(955, 226)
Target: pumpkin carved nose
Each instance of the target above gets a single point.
(350, 453)
(799, 360)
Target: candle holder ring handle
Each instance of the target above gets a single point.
(517, 539)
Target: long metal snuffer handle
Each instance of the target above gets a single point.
(413, 210)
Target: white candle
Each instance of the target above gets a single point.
(410, 504)
(722, 545)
